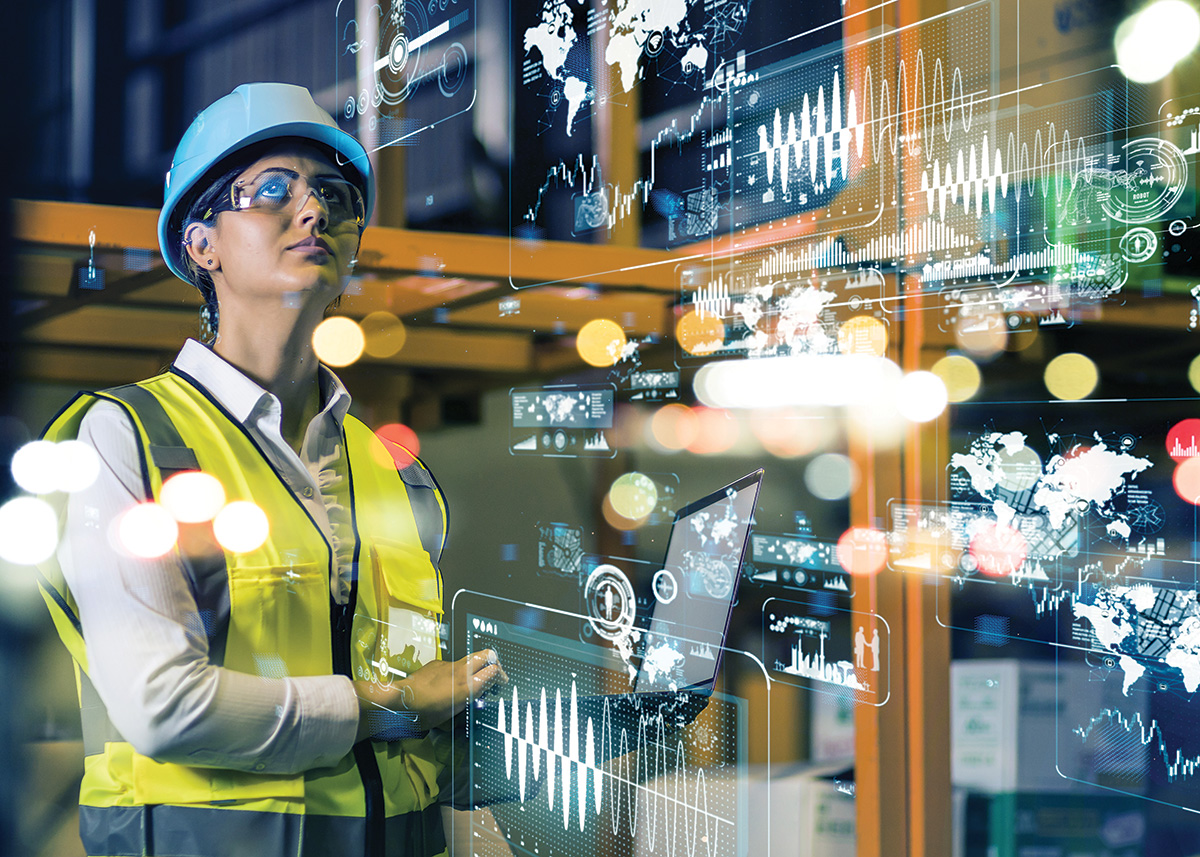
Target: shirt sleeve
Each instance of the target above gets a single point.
(148, 653)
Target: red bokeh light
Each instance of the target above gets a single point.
(401, 442)
(862, 551)
(998, 549)
(1183, 440)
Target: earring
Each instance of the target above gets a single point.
(209, 319)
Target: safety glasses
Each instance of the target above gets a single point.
(283, 191)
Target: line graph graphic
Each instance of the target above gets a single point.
(585, 176)
(1178, 765)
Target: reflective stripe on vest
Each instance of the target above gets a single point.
(279, 624)
(185, 831)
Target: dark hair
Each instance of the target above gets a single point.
(206, 205)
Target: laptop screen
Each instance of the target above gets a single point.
(696, 590)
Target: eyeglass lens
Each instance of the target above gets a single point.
(280, 189)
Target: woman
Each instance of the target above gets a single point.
(242, 699)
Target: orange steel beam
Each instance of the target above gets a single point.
(67, 224)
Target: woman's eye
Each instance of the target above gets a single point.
(273, 190)
(335, 196)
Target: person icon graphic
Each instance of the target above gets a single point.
(860, 648)
(875, 651)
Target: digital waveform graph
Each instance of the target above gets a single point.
(1178, 765)
(554, 742)
(803, 131)
(580, 770)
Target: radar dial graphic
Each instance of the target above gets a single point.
(1152, 180)
(608, 596)
(397, 61)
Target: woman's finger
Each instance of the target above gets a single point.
(486, 678)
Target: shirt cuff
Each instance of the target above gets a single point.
(328, 717)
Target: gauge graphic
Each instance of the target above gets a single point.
(394, 49)
(1148, 183)
(665, 587)
(611, 607)
(710, 575)
(1138, 244)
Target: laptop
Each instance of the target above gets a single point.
(695, 593)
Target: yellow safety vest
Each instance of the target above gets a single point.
(382, 798)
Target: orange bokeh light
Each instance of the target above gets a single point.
(699, 336)
(716, 431)
(1187, 480)
(862, 551)
(674, 426)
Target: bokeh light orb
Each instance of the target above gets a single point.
(862, 551)
(863, 334)
(241, 527)
(601, 342)
(998, 549)
(673, 427)
(401, 443)
(78, 465)
(28, 531)
(922, 397)
(1194, 373)
(1187, 480)
(1150, 42)
(1071, 376)
(35, 467)
(338, 341)
(960, 375)
(716, 431)
(615, 519)
(788, 433)
(983, 336)
(831, 476)
(147, 530)
(1183, 439)
(192, 496)
(383, 334)
(700, 335)
(633, 495)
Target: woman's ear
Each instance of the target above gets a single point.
(197, 239)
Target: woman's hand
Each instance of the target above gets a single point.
(435, 693)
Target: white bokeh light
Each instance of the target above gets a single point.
(798, 380)
(28, 531)
(1149, 43)
(147, 530)
(78, 465)
(35, 467)
(922, 396)
(831, 476)
(192, 496)
(241, 527)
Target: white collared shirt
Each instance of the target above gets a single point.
(147, 651)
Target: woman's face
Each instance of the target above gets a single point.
(294, 254)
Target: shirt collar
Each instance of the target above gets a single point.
(239, 395)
